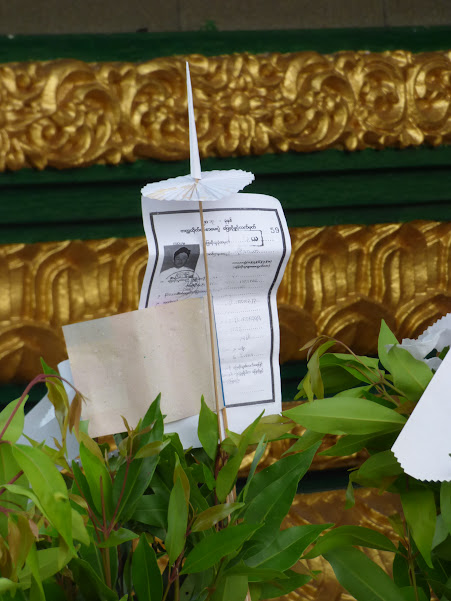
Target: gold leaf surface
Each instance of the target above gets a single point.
(340, 281)
(68, 113)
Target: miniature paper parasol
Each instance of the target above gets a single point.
(200, 186)
(207, 185)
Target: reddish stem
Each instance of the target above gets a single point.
(36, 380)
(111, 526)
(39, 378)
(102, 501)
(92, 517)
(16, 477)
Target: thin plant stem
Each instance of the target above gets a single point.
(16, 477)
(105, 551)
(411, 562)
(127, 467)
(39, 378)
(168, 587)
(177, 588)
(106, 565)
(92, 517)
(36, 380)
(102, 501)
(211, 324)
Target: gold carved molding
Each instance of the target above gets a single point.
(68, 113)
(340, 281)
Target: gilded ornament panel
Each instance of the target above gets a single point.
(340, 281)
(68, 113)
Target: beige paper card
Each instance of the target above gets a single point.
(121, 363)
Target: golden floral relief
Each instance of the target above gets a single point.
(67, 113)
(340, 281)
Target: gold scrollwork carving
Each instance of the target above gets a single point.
(340, 281)
(67, 113)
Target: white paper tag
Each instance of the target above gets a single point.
(424, 444)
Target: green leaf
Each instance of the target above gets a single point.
(256, 574)
(411, 593)
(50, 562)
(308, 439)
(363, 369)
(231, 587)
(349, 496)
(147, 580)
(272, 427)
(79, 531)
(152, 413)
(91, 445)
(152, 448)
(57, 395)
(153, 418)
(361, 577)
(305, 389)
(211, 549)
(16, 425)
(7, 585)
(358, 392)
(213, 515)
(259, 451)
(194, 585)
(207, 430)
(81, 485)
(341, 415)
(420, 513)
(98, 479)
(208, 477)
(49, 487)
(36, 591)
(314, 370)
(386, 337)
(409, 374)
(352, 443)
(285, 549)
(273, 502)
(335, 378)
(227, 476)
(137, 480)
(91, 586)
(9, 468)
(445, 503)
(278, 588)
(298, 463)
(177, 521)
(151, 510)
(351, 535)
(117, 537)
(377, 468)
(179, 472)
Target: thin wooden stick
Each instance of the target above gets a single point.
(212, 329)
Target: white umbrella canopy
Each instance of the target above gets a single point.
(199, 185)
(212, 185)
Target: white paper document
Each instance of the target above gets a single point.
(424, 445)
(248, 247)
